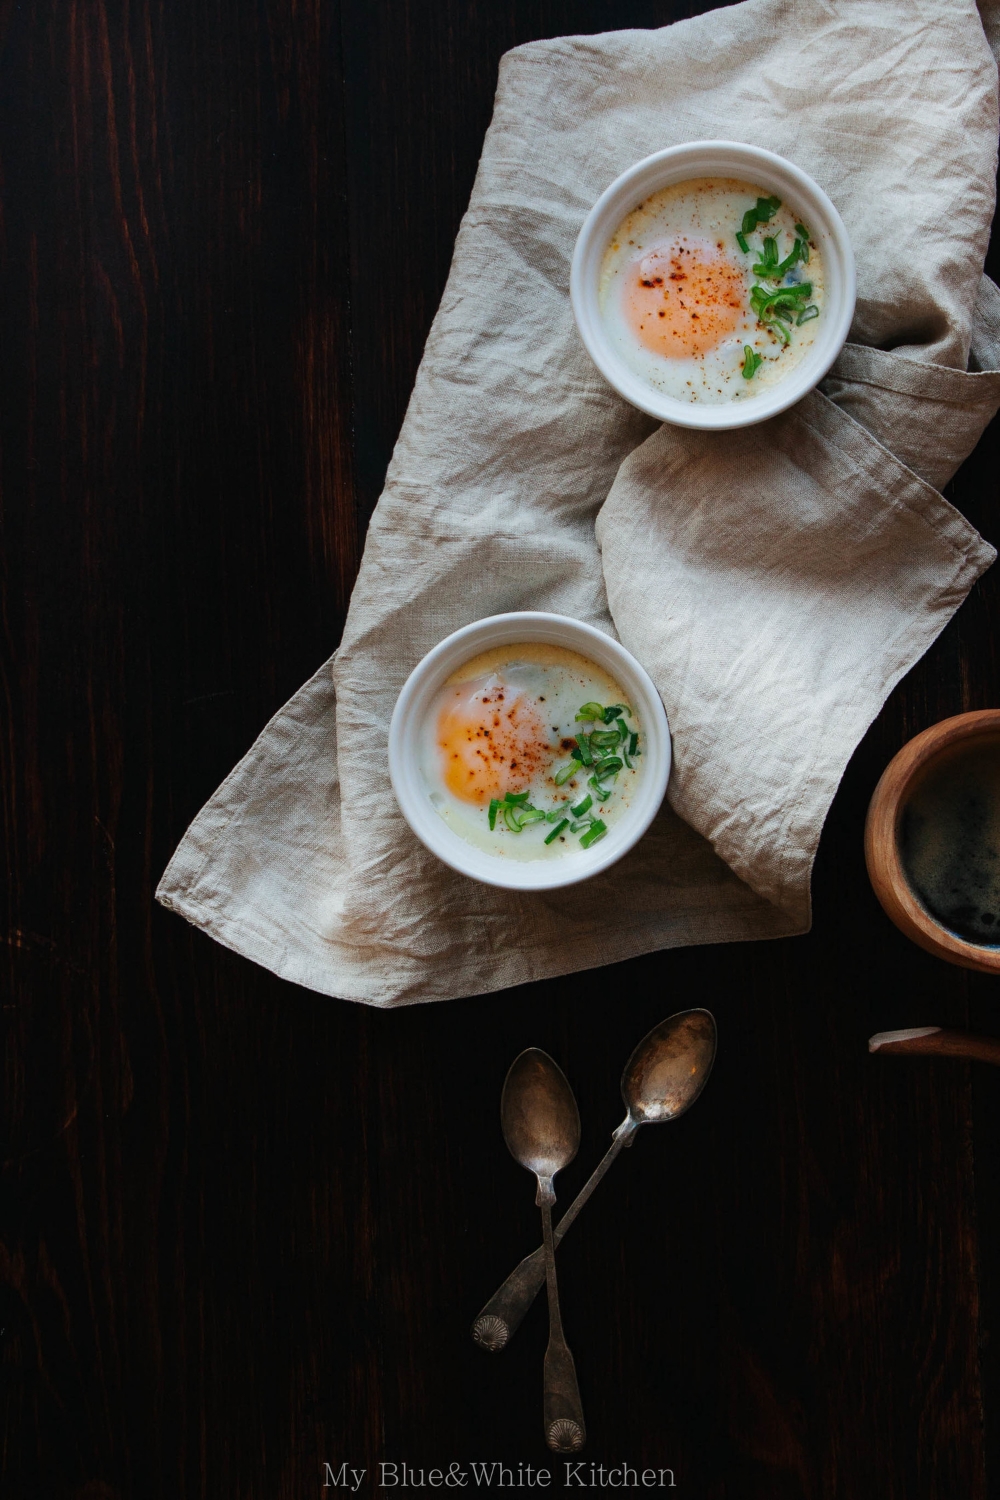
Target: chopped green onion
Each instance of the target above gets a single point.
(633, 748)
(590, 712)
(769, 266)
(792, 259)
(517, 817)
(596, 831)
(773, 306)
(802, 230)
(807, 315)
(582, 751)
(494, 809)
(611, 714)
(582, 807)
(764, 209)
(609, 767)
(557, 830)
(516, 799)
(561, 777)
(532, 815)
(761, 299)
(605, 739)
(751, 361)
(603, 792)
(741, 241)
(556, 813)
(581, 823)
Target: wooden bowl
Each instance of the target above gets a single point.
(900, 780)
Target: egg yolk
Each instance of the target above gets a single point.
(682, 299)
(493, 741)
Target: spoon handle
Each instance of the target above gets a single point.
(565, 1431)
(501, 1317)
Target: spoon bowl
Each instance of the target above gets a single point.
(538, 1115)
(670, 1067)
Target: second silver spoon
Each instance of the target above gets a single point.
(662, 1079)
(541, 1125)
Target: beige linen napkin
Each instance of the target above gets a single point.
(776, 582)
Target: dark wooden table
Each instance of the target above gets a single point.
(244, 1228)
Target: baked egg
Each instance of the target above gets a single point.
(531, 751)
(711, 290)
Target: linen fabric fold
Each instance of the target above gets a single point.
(776, 582)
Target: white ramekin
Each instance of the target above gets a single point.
(715, 159)
(415, 702)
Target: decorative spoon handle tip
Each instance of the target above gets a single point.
(565, 1436)
(490, 1332)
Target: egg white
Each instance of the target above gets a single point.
(707, 210)
(559, 681)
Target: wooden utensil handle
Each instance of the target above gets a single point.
(937, 1041)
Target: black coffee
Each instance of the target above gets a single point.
(950, 841)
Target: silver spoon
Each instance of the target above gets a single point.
(662, 1079)
(541, 1125)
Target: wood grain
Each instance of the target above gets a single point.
(243, 1230)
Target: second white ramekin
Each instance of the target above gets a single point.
(715, 159)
